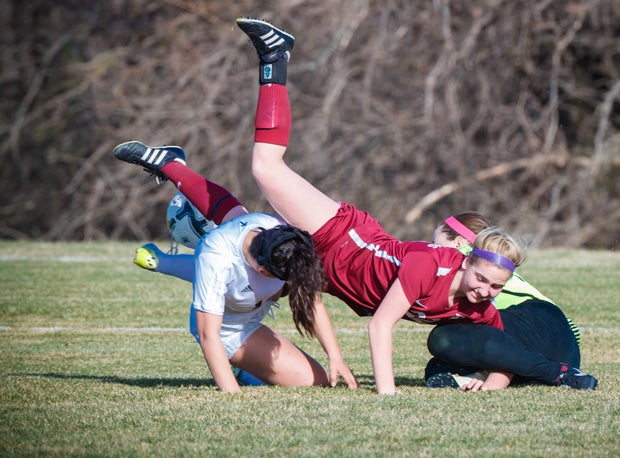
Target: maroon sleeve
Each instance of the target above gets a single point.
(417, 274)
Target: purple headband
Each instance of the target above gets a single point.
(460, 229)
(495, 258)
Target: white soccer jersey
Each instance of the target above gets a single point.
(225, 283)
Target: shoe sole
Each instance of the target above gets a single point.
(119, 154)
(591, 385)
(442, 380)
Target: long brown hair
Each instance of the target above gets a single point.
(288, 253)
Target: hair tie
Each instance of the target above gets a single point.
(460, 229)
(495, 258)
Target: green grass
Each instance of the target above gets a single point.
(96, 361)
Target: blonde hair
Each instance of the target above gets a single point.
(497, 240)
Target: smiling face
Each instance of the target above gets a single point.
(482, 280)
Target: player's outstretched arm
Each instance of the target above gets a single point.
(393, 306)
(324, 331)
(208, 326)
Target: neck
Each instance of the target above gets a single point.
(245, 249)
(455, 287)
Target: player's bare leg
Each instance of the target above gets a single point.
(293, 197)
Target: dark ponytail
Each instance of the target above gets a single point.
(288, 253)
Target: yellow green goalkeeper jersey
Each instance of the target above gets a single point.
(517, 290)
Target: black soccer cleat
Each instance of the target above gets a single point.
(442, 380)
(574, 378)
(271, 44)
(151, 158)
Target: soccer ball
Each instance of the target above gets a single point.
(187, 225)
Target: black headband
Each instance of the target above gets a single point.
(274, 237)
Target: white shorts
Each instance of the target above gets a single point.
(234, 333)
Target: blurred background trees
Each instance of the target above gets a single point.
(411, 110)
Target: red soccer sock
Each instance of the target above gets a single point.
(273, 115)
(211, 199)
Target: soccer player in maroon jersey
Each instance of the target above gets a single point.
(371, 271)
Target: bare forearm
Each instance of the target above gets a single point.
(219, 365)
(393, 306)
(380, 340)
(325, 334)
(324, 331)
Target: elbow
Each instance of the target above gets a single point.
(379, 331)
(207, 339)
(373, 328)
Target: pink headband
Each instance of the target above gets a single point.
(461, 229)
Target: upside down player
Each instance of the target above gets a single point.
(241, 267)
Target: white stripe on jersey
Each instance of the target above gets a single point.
(372, 247)
(443, 271)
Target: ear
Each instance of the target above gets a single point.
(261, 270)
(461, 241)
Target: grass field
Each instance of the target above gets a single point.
(96, 361)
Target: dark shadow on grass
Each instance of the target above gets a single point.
(365, 380)
(142, 382)
(368, 381)
(408, 381)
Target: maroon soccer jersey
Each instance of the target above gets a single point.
(426, 275)
(362, 261)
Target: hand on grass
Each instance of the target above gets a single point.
(340, 368)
